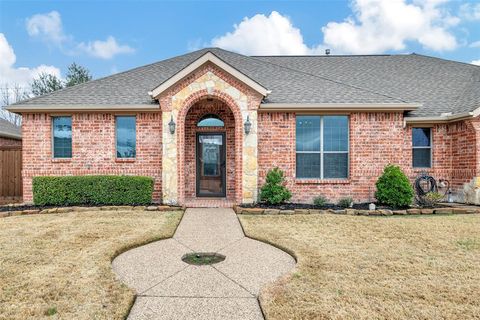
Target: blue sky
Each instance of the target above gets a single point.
(113, 36)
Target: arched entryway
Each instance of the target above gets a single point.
(209, 83)
(210, 150)
(211, 157)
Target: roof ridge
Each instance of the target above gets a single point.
(332, 80)
(307, 73)
(212, 51)
(324, 55)
(474, 66)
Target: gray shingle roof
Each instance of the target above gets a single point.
(440, 85)
(9, 130)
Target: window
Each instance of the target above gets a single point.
(62, 137)
(322, 147)
(210, 120)
(126, 136)
(422, 147)
(211, 153)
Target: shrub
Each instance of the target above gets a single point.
(320, 201)
(274, 190)
(345, 202)
(430, 199)
(92, 190)
(394, 188)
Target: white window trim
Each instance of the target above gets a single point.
(422, 147)
(52, 131)
(321, 152)
(116, 141)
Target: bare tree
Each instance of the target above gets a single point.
(42, 84)
(11, 94)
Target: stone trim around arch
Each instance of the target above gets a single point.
(194, 98)
(212, 83)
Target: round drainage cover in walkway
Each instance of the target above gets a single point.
(203, 258)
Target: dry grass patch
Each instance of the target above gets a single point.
(59, 266)
(410, 267)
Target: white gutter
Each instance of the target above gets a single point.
(441, 119)
(80, 107)
(339, 106)
(10, 135)
(476, 112)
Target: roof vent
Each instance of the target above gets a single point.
(327, 52)
(445, 114)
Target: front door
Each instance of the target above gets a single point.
(211, 165)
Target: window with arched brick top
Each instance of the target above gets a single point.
(210, 120)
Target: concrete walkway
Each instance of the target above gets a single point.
(168, 288)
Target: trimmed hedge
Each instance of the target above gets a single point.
(92, 190)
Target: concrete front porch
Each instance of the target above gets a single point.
(209, 203)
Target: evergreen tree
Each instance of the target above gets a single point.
(77, 74)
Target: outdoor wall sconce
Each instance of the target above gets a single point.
(247, 125)
(172, 125)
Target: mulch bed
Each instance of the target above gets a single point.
(293, 206)
(22, 207)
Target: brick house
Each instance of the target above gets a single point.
(208, 125)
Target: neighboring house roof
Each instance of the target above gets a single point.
(438, 86)
(9, 130)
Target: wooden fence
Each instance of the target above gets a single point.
(10, 174)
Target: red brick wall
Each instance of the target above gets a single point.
(198, 110)
(474, 125)
(7, 142)
(454, 152)
(93, 146)
(376, 139)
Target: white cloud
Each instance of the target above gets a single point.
(46, 26)
(475, 44)
(105, 49)
(49, 28)
(375, 27)
(21, 76)
(470, 11)
(476, 62)
(263, 35)
(382, 25)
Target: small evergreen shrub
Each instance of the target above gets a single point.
(345, 202)
(274, 190)
(320, 201)
(92, 190)
(394, 188)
